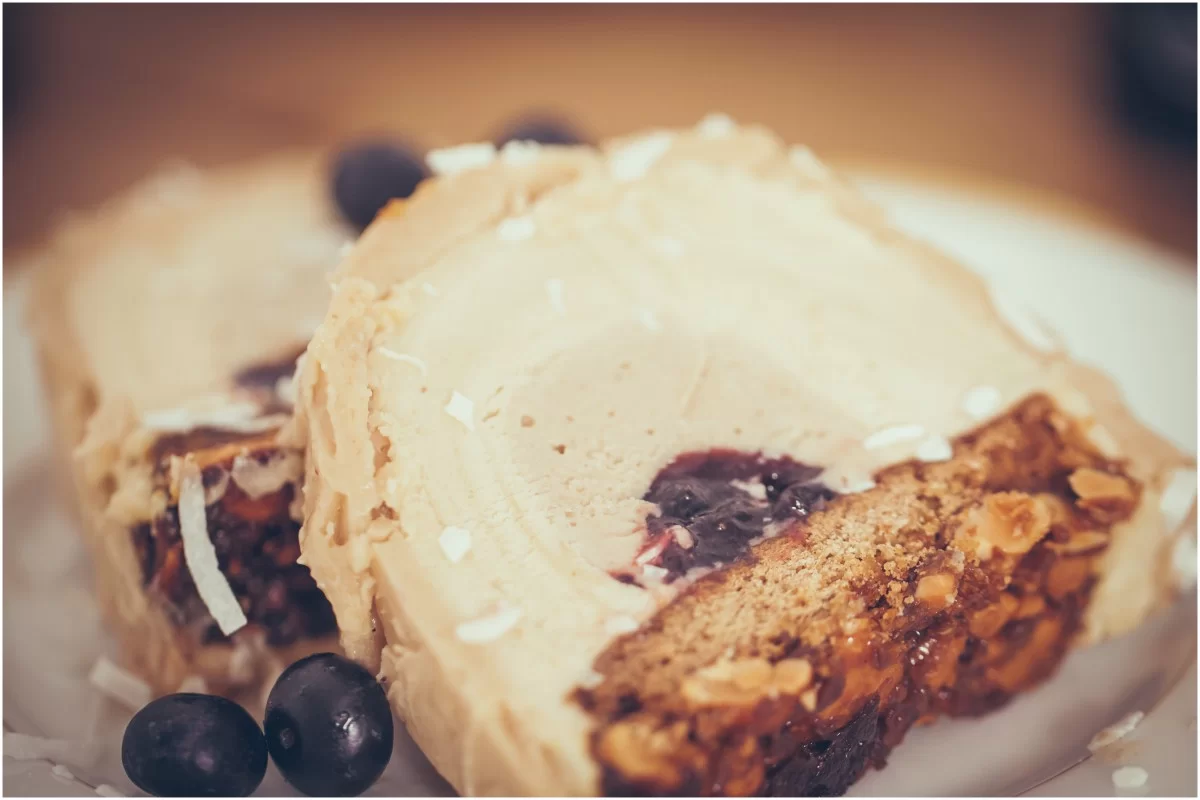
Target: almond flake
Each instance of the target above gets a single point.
(894, 435)
(462, 409)
(981, 402)
(554, 290)
(201, 557)
(516, 229)
(119, 684)
(489, 628)
(238, 417)
(405, 358)
(455, 543)
(453, 160)
(935, 449)
(633, 160)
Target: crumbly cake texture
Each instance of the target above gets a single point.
(145, 312)
(513, 355)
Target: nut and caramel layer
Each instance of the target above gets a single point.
(255, 536)
(946, 589)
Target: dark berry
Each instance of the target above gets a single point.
(328, 726)
(541, 128)
(368, 175)
(194, 745)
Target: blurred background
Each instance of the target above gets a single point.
(1091, 109)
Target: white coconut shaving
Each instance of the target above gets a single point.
(619, 625)
(935, 449)
(23, 747)
(1117, 731)
(430, 289)
(462, 408)
(716, 126)
(404, 358)
(257, 478)
(633, 160)
(455, 543)
(981, 402)
(807, 163)
(520, 153)
(649, 320)
(516, 229)
(240, 417)
(894, 435)
(453, 160)
(119, 684)
(285, 389)
(488, 628)
(200, 555)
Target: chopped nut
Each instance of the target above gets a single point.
(1031, 606)
(937, 590)
(988, 621)
(656, 757)
(1012, 522)
(1105, 497)
(745, 682)
(1081, 543)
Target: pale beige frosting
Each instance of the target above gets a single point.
(522, 347)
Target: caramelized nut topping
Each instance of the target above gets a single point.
(987, 622)
(1105, 497)
(655, 758)
(938, 590)
(1067, 575)
(745, 682)
(1081, 543)
(1012, 522)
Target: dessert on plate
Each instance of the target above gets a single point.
(168, 324)
(670, 467)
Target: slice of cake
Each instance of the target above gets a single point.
(168, 324)
(671, 468)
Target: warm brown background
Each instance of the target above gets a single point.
(994, 96)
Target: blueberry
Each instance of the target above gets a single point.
(541, 128)
(329, 727)
(367, 175)
(194, 745)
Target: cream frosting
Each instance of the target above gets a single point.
(786, 318)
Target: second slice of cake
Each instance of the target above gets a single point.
(672, 468)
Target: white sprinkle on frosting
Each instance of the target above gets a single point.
(453, 160)
(716, 126)
(981, 402)
(1130, 778)
(807, 163)
(554, 291)
(1022, 320)
(388, 352)
(668, 246)
(462, 409)
(894, 435)
(240, 417)
(516, 229)
(455, 543)
(1177, 499)
(935, 449)
(1117, 731)
(200, 555)
(520, 153)
(489, 628)
(649, 320)
(119, 684)
(616, 626)
(429, 289)
(633, 160)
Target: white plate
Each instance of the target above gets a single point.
(1117, 304)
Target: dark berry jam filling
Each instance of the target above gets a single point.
(713, 505)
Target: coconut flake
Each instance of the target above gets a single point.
(520, 153)
(455, 543)
(622, 624)
(1177, 499)
(935, 449)
(981, 402)
(516, 229)
(683, 537)
(1127, 778)
(654, 573)
(257, 479)
(119, 684)
(554, 291)
(388, 352)
(753, 488)
(649, 320)
(807, 163)
(462, 409)
(894, 435)
(633, 160)
(453, 160)
(237, 417)
(23, 747)
(1117, 731)
(285, 389)
(489, 628)
(200, 555)
(590, 679)
(716, 126)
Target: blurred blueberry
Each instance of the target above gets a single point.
(369, 174)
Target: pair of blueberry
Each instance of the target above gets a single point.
(328, 729)
(367, 175)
